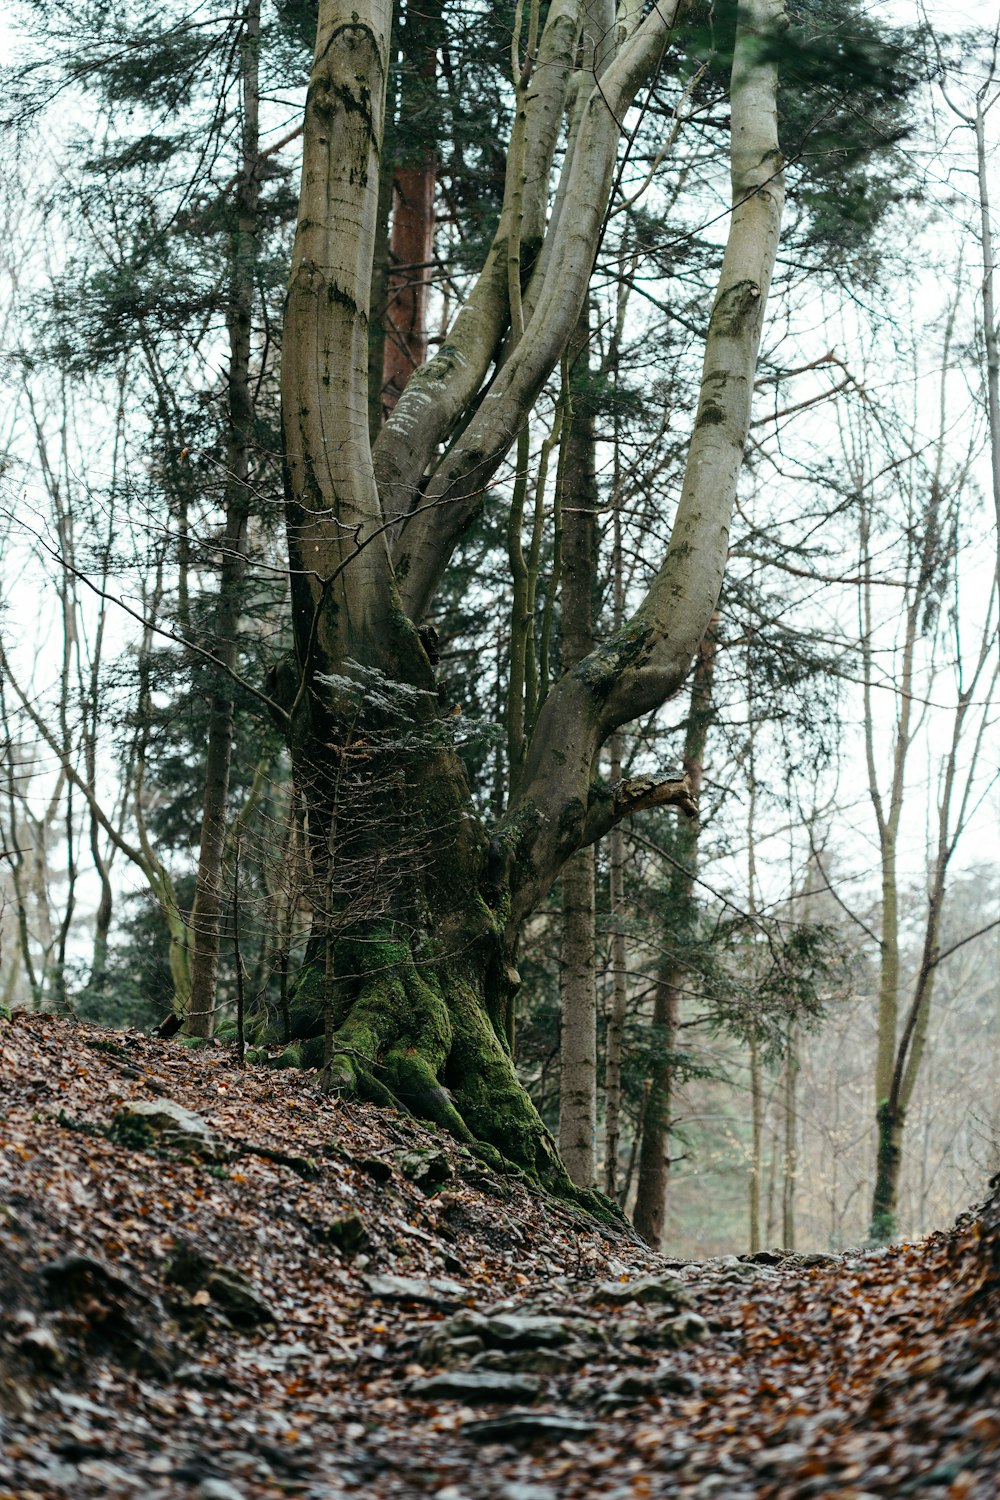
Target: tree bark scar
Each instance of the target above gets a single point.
(735, 305)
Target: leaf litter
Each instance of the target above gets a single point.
(280, 1293)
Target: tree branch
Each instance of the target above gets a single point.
(610, 804)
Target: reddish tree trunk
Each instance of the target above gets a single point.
(411, 246)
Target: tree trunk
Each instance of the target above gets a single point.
(673, 976)
(790, 1159)
(206, 913)
(654, 1149)
(416, 911)
(991, 337)
(105, 910)
(756, 1146)
(13, 839)
(614, 1044)
(900, 1056)
(411, 243)
(614, 1041)
(379, 296)
(578, 971)
(578, 1034)
(411, 248)
(888, 1162)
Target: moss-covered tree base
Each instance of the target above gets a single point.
(418, 1036)
(409, 973)
(888, 1163)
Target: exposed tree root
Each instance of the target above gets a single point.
(419, 1038)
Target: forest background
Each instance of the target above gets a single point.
(804, 972)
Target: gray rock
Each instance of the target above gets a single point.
(508, 1332)
(217, 1489)
(230, 1290)
(527, 1427)
(176, 1126)
(664, 1332)
(74, 1277)
(349, 1234)
(648, 1290)
(435, 1290)
(781, 1459)
(673, 1382)
(238, 1297)
(132, 1316)
(639, 1385)
(381, 1171)
(281, 1356)
(452, 1351)
(676, 1333)
(511, 1330)
(426, 1167)
(517, 1491)
(42, 1347)
(475, 1385)
(112, 1479)
(632, 1384)
(536, 1361)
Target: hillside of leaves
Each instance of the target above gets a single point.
(218, 1282)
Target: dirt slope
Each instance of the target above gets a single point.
(291, 1296)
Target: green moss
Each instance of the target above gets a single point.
(347, 1234)
(134, 1133)
(305, 1002)
(374, 1020)
(414, 1082)
(604, 668)
(518, 829)
(367, 1086)
(292, 1057)
(486, 1089)
(312, 1052)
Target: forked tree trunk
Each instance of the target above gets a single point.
(416, 911)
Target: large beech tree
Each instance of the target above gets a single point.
(416, 906)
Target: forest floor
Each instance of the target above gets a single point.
(295, 1296)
